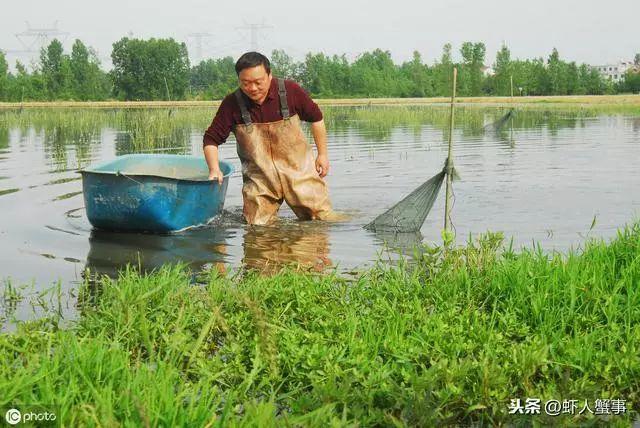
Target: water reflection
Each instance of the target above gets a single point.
(133, 141)
(199, 249)
(304, 245)
(69, 143)
(399, 242)
(4, 138)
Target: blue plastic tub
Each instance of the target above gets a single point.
(152, 193)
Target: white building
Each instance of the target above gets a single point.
(615, 72)
(487, 70)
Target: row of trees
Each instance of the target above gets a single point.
(75, 76)
(374, 74)
(152, 69)
(535, 77)
(159, 69)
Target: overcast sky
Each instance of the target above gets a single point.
(584, 31)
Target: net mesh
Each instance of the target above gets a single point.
(498, 124)
(409, 214)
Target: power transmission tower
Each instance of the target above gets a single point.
(199, 38)
(254, 28)
(34, 39)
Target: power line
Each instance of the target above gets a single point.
(254, 28)
(34, 39)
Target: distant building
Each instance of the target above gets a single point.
(487, 70)
(615, 72)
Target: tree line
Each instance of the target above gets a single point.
(159, 69)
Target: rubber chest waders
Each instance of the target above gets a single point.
(278, 164)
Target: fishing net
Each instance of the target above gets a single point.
(498, 124)
(409, 214)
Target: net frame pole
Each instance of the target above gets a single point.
(512, 109)
(449, 167)
(511, 78)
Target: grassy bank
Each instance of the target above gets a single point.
(580, 100)
(448, 340)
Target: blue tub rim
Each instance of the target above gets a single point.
(118, 173)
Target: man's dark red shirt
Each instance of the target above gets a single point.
(228, 114)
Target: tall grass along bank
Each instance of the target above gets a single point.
(613, 101)
(450, 339)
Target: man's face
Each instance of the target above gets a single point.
(255, 82)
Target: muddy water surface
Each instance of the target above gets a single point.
(548, 177)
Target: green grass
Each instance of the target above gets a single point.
(447, 339)
(170, 129)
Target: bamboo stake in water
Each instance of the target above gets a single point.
(449, 167)
(512, 89)
(512, 142)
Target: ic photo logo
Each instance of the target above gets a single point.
(36, 415)
(13, 416)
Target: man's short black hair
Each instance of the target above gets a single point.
(252, 59)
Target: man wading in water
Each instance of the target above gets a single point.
(277, 162)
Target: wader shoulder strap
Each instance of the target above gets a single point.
(282, 92)
(246, 117)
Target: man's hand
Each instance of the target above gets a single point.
(216, 174)
(320, 137)
(322, 165)
(211, 156)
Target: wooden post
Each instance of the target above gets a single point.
(511, 142)
(449, 166)
(167, 88)
(512, 89)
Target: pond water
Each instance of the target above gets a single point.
(546, 176)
